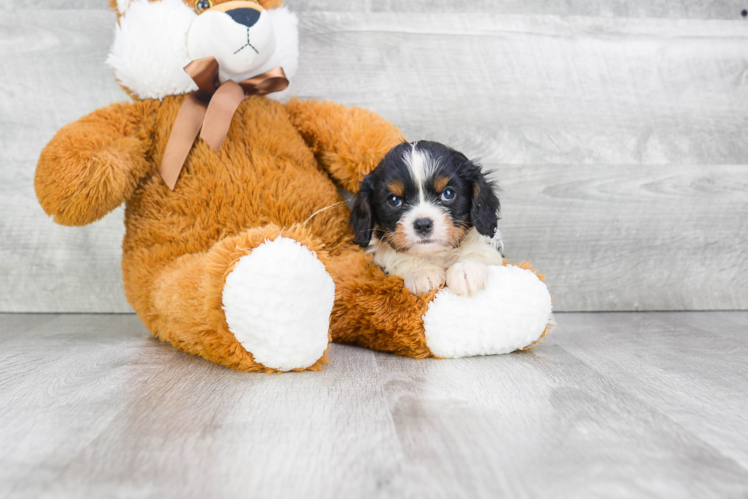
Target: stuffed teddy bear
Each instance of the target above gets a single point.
(237, 246)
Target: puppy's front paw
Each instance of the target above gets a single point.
(425, 280)
(467, 278)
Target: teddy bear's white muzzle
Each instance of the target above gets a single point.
(240, 41)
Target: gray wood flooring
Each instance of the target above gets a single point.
(613, 404)
(615, 128)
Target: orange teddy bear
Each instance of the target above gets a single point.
(237, 246)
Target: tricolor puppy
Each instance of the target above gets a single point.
(429, 216)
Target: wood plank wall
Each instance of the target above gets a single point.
(616, 130)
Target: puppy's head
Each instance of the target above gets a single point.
(422, 198)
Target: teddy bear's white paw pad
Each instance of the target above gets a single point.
(510, 313)
(277, 302)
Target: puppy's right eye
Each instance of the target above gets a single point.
(448, 194)
(394, 201)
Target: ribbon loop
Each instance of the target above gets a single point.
(211, 108)
(271, 81)
(204, 72)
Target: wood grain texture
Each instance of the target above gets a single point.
(531, 90)
(612, 405)
(631, 237)
(619, 143)
(52, 62)
(695, 9)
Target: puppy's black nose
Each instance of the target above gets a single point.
(247, 17)
(423, 226)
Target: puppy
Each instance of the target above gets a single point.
(429, 215)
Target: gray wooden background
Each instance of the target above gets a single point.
(617, 130)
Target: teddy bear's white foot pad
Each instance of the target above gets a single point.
(277, 302)
(509, 314)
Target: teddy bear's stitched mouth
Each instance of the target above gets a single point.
(248, 44)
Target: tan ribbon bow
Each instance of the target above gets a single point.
(211, 108)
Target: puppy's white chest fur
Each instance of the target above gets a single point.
(462, 268)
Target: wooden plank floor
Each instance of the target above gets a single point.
(613, 404)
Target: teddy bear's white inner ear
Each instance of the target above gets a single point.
(149, 52)
(122, 5)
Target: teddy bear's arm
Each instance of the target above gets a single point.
(348, 142)
(94, 164)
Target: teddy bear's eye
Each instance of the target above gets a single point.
(203, 5)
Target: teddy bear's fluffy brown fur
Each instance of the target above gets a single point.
(275, 170)
(276, 175)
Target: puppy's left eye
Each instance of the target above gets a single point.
(448, 194)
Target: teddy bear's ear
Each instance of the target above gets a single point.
(149, 53)
(119, 6)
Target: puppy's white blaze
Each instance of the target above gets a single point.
(421, 166)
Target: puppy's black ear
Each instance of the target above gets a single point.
(485, 208)
(362, 213)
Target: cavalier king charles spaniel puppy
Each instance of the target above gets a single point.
(429, 215)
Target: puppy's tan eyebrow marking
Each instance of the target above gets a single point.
(396, 187)
(440, 183)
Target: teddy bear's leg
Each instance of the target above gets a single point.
(258, 301)
(376, 311)
(512, 312)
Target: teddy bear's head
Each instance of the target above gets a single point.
(156, 39)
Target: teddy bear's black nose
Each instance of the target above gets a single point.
(247, 17)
